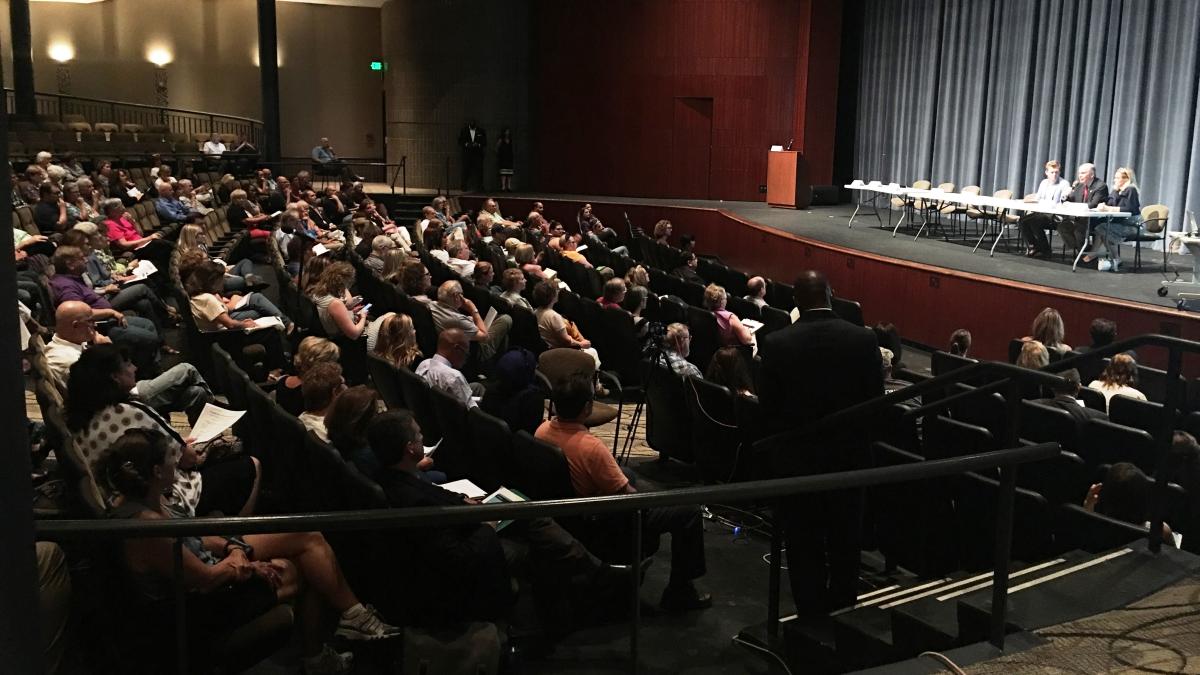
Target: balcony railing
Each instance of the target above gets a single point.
(177, 120)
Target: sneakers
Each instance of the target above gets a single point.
(362, 622)
(684, 598)
(328, 662)
(1104, 265)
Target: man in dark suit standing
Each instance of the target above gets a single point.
(1087, 189)
(473, 141)
(819, 365)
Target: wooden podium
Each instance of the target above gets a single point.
(787, 180)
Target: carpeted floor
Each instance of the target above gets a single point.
(1160, 634)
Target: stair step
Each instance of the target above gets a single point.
(931, 622)
(1118, 579)
(918, 621)
(967, 655)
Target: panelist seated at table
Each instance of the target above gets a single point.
(1111, 233)
(1087, 189)
(1051, 191)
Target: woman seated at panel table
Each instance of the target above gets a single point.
(1110, 234)
(1051, 191)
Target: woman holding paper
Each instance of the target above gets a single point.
(101, 407)
(214, 312)
(123, 235)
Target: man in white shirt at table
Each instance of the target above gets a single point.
(1051, 192)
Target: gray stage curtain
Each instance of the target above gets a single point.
(983, 92)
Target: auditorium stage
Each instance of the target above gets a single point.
(928, 288)
(829, 224)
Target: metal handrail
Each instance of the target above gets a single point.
(343, 521)
(773, 489)
(401, 169)
(148, 106)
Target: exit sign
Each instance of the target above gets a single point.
(377, 65)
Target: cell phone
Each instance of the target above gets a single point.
(365, 308)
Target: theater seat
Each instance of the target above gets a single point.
(386, 381)
(419, 399)
(910, 521)
(975, 513)
(668, 424)
(538, 469)
(1077, 528)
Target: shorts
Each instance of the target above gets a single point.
(227, 486)
(219, 612)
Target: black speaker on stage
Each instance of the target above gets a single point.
(826, 195)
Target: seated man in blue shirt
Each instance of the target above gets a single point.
(324, 155)
(172, 212)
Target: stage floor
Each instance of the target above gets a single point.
(829, 224)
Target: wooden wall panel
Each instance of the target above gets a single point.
(602, 97)
(927, 303)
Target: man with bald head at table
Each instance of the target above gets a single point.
(1087, 189)
(819, 365)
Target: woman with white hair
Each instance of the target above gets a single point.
(57, 175)
(243, 213)
(89, 200)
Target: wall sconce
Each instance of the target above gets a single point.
(160, 57)
(62, 53)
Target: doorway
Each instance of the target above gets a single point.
(691, 148)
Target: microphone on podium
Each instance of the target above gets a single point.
(789, 144)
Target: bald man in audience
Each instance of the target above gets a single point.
(442, 370)
(817, 366)
(180, 389)
(756, 291)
